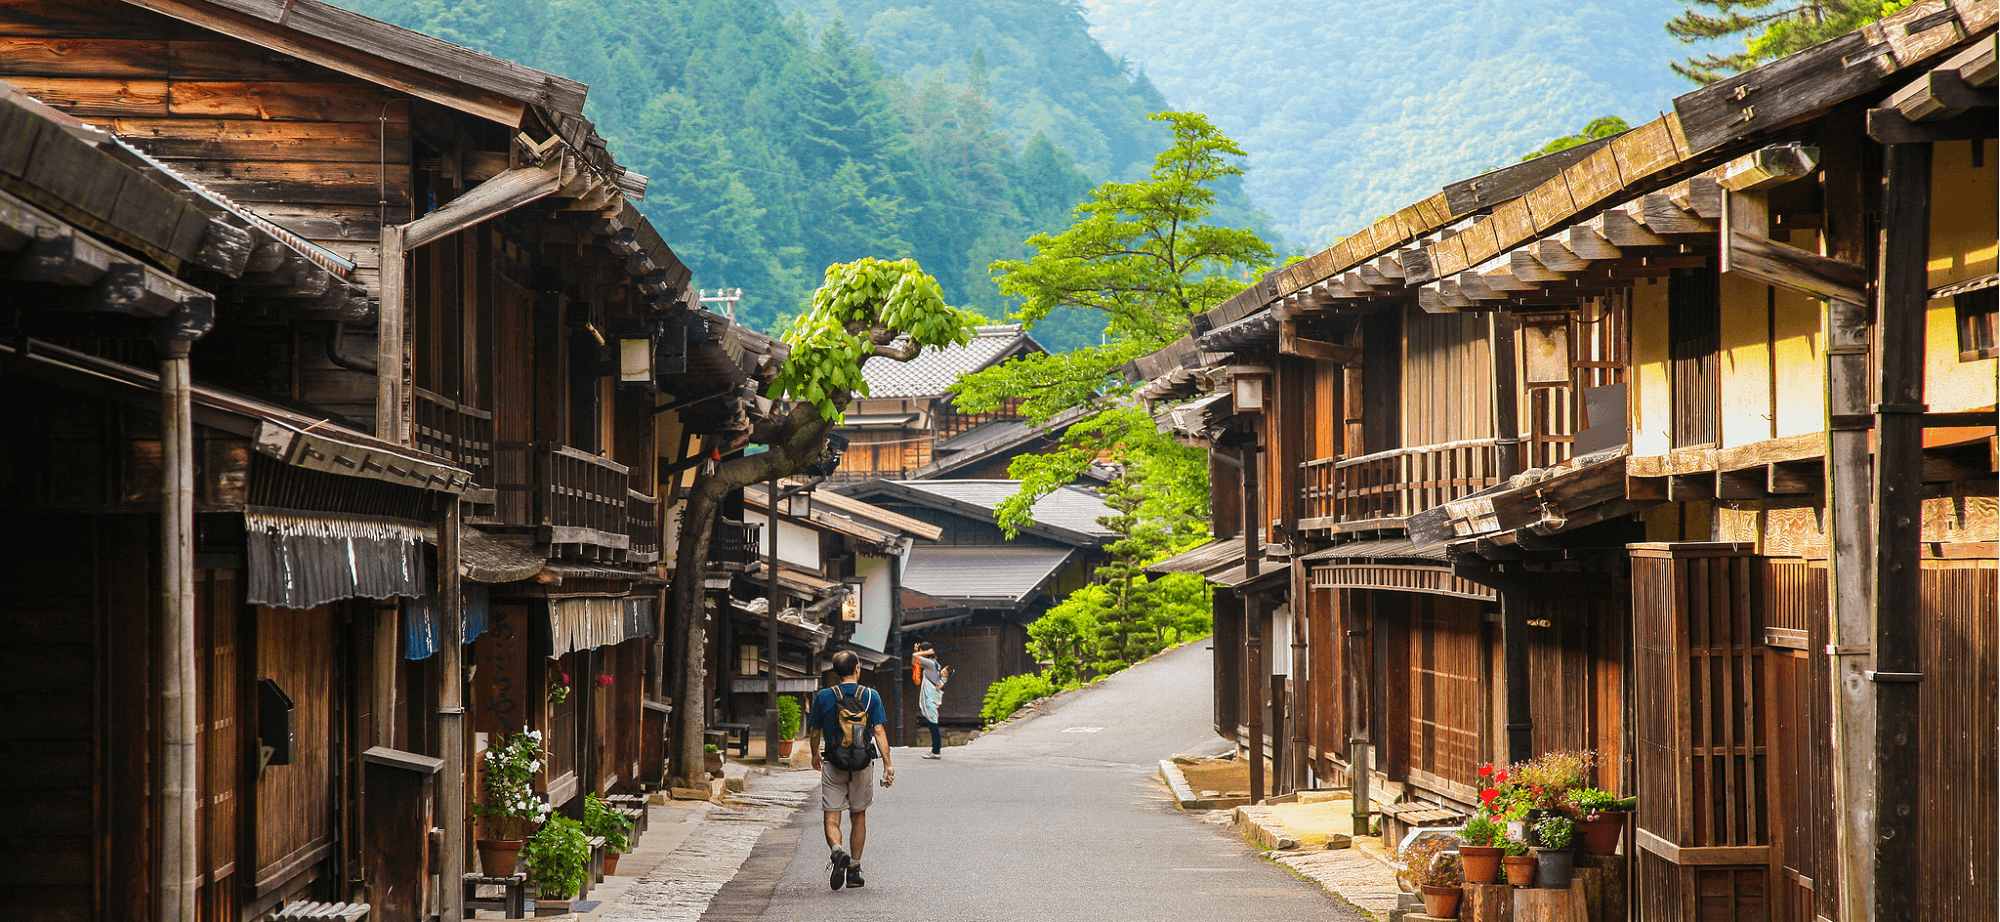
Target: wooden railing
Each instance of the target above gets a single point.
(572, 497)
(1395, 484)
(452, 430)
(642, 525)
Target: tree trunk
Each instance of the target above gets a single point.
(798, 441)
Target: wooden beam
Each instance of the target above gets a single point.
(1507, 183)
(1527, 267)
(1768, 167)
(1788, 267)
(1290, 343)
(1665, 216)
(1940, 94)
(1889, 126)
(1794, 478)
(494, 197)
(1621, 226)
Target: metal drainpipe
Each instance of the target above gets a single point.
(179, 778)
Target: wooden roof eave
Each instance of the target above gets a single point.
(386, 55)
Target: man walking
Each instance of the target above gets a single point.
(850, 716)
(930, 693)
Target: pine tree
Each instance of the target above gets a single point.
(1770, 29)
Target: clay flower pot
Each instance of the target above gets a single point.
(610, 863)
(499, 857)
(1482, 863)
(1441, 902)
(1520, 870)
(1600, 832)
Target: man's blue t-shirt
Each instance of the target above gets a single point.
(826, 705)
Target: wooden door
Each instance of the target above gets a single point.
(296, 803)
(1802, 862)
(1447, 712)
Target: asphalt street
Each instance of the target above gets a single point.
(1054, 817)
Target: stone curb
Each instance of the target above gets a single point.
(1184, 794)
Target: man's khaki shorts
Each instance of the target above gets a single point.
(843, 790)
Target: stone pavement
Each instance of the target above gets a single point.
(691, 848)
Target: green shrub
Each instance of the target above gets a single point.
(610, 825)
(1010, 694)
(788, 717)
(558, 855)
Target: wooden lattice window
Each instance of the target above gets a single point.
(1978, 321)
(1694, 344)
(1698, 650)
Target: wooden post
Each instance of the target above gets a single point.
(1520, 701)
(452, 790)
(1253, 647)
(389, 333)
(1358, 751)
(771, 628)
(1502, 329)
(1850, 535)
(1901, 293)
(180, 777)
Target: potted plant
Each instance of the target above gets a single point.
(1479, 849)
(1431, 869)
(510, 804)
(711, 759)
(601, 821)
(558, 857)
(1599, 817)
(1554, 861)
(1518, 862)
(788, 724)
(1541, 782)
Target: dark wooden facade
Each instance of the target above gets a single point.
(1638, 481)
(430, 386)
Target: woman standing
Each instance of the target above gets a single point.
(930, 693)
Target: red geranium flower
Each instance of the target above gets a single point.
(1487, 796)
(1502, 778)
(1486, 771)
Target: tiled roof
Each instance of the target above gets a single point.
(1067, 508)
(1007, 575)
(933, 370)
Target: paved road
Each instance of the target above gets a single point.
(1055, 817)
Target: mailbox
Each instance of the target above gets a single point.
(275, 726)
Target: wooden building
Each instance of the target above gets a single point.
(979, 589)
(840, 572)
(908, 423)
(430, 379)
(1680, 447)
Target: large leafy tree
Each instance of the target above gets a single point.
(1142, 255)
(1769, 29)
(867, 309)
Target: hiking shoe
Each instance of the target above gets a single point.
(841, 874)
(854, 876)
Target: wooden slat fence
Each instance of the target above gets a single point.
(1446, 707)
(1960, 784)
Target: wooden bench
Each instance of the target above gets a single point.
(1399, 819)
(309, 911)
(633, 807)
(596, 864)
(742, 734)
(512, 900)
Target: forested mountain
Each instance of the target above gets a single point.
(777, 146)
(1351, 109)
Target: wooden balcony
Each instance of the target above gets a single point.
(578, 503)
(1382, 489)
(452, 430)
(642, 525)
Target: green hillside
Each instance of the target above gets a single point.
(778, 145)
(1350, 110)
